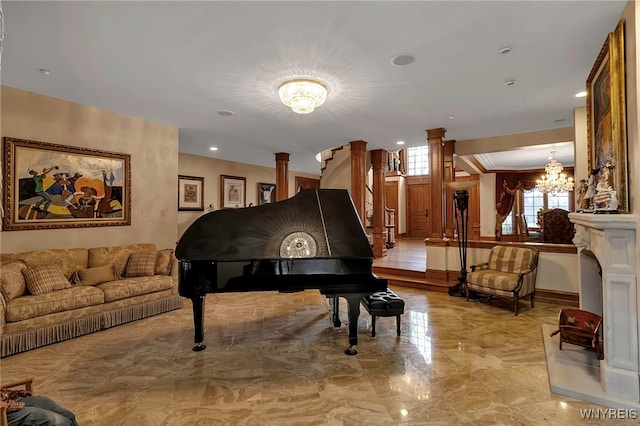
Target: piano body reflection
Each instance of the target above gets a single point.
(314, 240)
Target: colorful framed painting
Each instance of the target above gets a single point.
(58, 186)
(266, 193)
(606, 116)
(190, 193)
(233, 192)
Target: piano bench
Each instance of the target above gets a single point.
(383, 304)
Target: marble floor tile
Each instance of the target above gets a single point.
(276, 359)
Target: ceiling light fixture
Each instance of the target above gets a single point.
(402, 60)
(302, 96)
(581, 94)
(554, 181)
(44, 71)
(400, 143)
(510, 82)
(213, 148)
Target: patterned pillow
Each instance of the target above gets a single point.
(95, 276)
(164, 262)
(45, 279)
(141, 264)
(12, 280)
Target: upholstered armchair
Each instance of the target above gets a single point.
(510, 272)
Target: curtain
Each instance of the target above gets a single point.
(507, 186)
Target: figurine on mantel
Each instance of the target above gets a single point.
(582, 202)
(590, 193)
(606, 199)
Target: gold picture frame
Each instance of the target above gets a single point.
(606, 115)
(49, 186)
(190, 193)
(233, 192)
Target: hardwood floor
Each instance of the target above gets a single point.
(409, 254)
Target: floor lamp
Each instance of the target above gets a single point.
(461, 208)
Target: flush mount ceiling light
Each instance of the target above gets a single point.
(302, 95)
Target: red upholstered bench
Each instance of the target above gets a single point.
(384, 304)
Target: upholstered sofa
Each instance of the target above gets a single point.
(53, 295)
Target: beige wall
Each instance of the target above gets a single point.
(487, 204)
(337, 171)
(212, 168)
(509, 142)
(154, 168)
(580, 153)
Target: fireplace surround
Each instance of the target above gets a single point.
(608, 276)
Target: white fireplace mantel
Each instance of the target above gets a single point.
(611, 238)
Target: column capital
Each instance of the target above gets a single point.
(358, 145)
(437, 133)
(379, 156)
(283, 156)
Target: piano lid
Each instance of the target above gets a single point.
(320, 223)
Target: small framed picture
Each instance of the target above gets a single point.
(190, 193)
(233, 192)
(266, 193)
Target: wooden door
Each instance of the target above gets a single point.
(418, 206)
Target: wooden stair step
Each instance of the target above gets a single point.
(413, 282)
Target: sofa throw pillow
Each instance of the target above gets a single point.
(164, 261)
(95, 276)
(45, 279)
(12, 280)
(141, 264)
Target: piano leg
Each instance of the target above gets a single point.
(353, 300)
(198, 322)
(335, 317)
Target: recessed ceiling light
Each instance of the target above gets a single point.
(213, 148)
(504, 50)
(451, 117)
(44, 71)
(402, 60)
(400, 143)
(510, 82)
(560, 120)
(319, 157)
(226, 112)
(581, 94)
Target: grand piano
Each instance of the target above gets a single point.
(313, 240)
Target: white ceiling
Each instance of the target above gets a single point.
(180, 63)
(526, 158)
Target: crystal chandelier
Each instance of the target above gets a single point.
(554, 181)
(303, 96)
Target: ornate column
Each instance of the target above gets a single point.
(282, 176)
(359, 176)
(448, 148)
(436, 182)
(379, 164)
